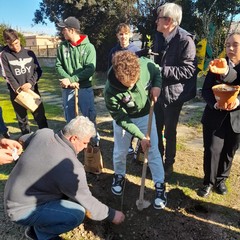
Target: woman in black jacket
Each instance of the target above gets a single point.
(221, 124)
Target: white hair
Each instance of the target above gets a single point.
(173, 11)
(80, 126)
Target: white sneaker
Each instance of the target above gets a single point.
(118, 183)
(160, 201)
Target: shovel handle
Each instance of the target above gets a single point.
(76, 101)
(144, 169)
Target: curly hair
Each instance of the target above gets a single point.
(126, 67)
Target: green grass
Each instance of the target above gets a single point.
(195, 119)
(49, 81)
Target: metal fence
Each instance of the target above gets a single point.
(44, 50)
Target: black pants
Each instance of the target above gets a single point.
(167, 119)
(21, 114)
(220, 147)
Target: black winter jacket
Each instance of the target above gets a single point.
(214, 118)
(177, 58)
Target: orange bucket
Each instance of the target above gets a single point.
(225, 94)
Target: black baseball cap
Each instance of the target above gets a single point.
(70, 22)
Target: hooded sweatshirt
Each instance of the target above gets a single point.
(19, 68)
(77, 63)
(125, 103)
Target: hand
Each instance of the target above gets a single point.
(145, 143)
(64, 82)
(74, 85)
(155, 93)
(233, 105)
(26, 86)
(218, 66)
(5, 156)
(11, 144)
(118, 218)
(227, 107)
(6, 151)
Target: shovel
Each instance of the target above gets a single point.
(141, 203)
(76, 101)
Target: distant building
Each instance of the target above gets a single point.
(42, 41)
(42, 45)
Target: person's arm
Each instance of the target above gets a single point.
(81, 73)
(220, 66)
(120, 115)
(73, 183)
(186, 67)
(216, 68)
(6, 156)
(26, 138)
(7, 73)
(60, 61)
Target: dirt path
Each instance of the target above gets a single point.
(186, 216)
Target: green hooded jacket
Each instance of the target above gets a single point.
(125, 103)
(77, 63)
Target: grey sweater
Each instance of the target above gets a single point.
(49, 170)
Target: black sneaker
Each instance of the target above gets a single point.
(30, 233)
(205, 191)
(118, 183)
(130, 150)
(221, 188)
(160, 201)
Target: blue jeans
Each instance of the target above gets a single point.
(85, 103)
(122, 140)
(53, 218)
(3, 128)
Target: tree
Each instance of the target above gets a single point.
(215, 18)
(98, 19)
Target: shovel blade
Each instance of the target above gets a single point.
(141, 204)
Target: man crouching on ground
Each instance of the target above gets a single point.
(47, 189)
(132, 81)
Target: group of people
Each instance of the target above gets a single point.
(47, 189)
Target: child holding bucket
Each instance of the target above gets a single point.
(221, 125)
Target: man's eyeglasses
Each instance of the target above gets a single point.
(161, 17)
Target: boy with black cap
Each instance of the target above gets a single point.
(75, 64)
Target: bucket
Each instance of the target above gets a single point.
(225, 94)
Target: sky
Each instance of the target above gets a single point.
(18, 14)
